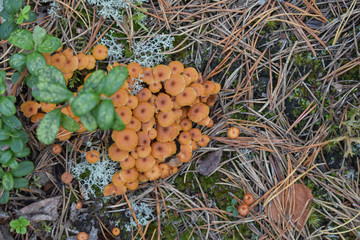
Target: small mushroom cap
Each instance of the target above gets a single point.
(115, 231)
(243, 209)
(117, 180)
(135, 70)
(163, 102)
(37, 117)
(70, 64)
(210, 87)
(68, 53)
(109, 67)
(126, 140)
(154, 173)
(173, 170)
(83, 61)
(145, 164)
(129, 175)
(217, 88)
(152, 133)
(233, 132)
(68, 76)
(195, 134)
(119, 190)
(132, 185)
(152, 100)
(116, 154)
(176, 67)
(114, 134)
(204, 141)
(82, 128)
(174, 85)
(178, 113)
(185, 138)
(132, 101)
(165, 119)
(187, 79)
(167, 134)
(210, 124)
(186, 97)
(185, 124)
(148, 77)
(161, 73)
(146, 126)
(198, 112)
(91, 63)
(100, 52)
(144, 94)
(128, 163)
(66, 177)
(109, 189)
(124, 113)
(155, 87)
(185, 153)
(172, 147)
(47, 107)
(47, 57)
(144, 111)
(58, 60)
(120, 98)
(160, 150)
(82, 236)
(193, 145)
(134, 124)
(142, 178)
(92, 156)
(56, 149)
(199, 79)
(29, 108)
(205, 121)
(165, 170)
(199, 88)
(144, 139)
(249, 198)
(191, 73)
(211, 100)
(143, 151)
(63, 134)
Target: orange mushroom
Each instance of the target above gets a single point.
(166, 134)
(100, 52)
(116, 154)
(165, 119)
(143, 151)
(92, 156)
(124, 113)
(143, 95)
(174, 85)
(37, 117)
(134, 124)
(191, 73)
(126, 140)
(185, 153)
(135, 70)
(187, 97)
(198, 112)
(243, 210)
(66, 177)
(185, 138)
(82, 236)
(176, 67)
(29, 108)
(154, 173)
(199, 88)
(70, 64)
(152, 133)
(83, 61)
(91, 63)
(56, 149)
(145, 164)
(233, 132)
(129, 175)
(117, 180)
(249, 198)
(58, 60)
(195, 134)
(144, 111)
(204, 141)
(68, 53)
(115, 231)
(155, 87)
(146, 126)
(161, 73)
(148, 77)
(163, 102)
(144, 139)
(132, 185)
(120, 98)
(128, 163)
(132, 101)
(165, 170)
(185, 124)
(210, 87)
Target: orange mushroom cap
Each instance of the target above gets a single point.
(204, 141)
(199, 79)
(63, 134)
(210, 87)
(160, 150)
(109, 189)
(210, 124)
(165, 119)
(161, 73)
(173, 170)
(29, 108)
(134, 124)
(115, 231)
(47, 57)
(165, 170)
(166, 134)
(185, 138)
(91, 63)
(177, 113)
(205, 121)
(82, 236)
(163, 102)
(132, 185)
(155, 87)
(56, 149)
(195, 134)
(187, 79)
(176, 67)
(132, 101)
(198, 112)
(142, 177)
(126, 140)
(144, 94)
(152, 133)
(120, 98)
(187, 97)
(175, 84)
(144, 111)
(116, 154)
(128, 163)
(217, 88)
(129, 175)
(143, 151)
(135, 70)
(114, 134)
(154, 173)
(144, 139)
(145, 164)
(146, 126)
(191, 73)
(249, 198)
(92, 156)
(148, 77)
(243, 209)
(68, 53)
(37, 117)
(233, 132)
(199, 88)
(100, 52)
(119, 190)
(83, 61)
(117, 180)
(124, 113)
(58, 60)
(211, 100)
(66, 177)
(185, 124)
(185, 153)
(193, 145)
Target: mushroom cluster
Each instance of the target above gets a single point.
(160, 123)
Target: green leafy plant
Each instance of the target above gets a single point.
(19, 225)
(14, 16)
(232, 207)
(13, 141)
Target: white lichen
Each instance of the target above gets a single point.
(115, 48)
(144, 215)
(137, 86)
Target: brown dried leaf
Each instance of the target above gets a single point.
(43, 210)
(174, 162)
(210, 163)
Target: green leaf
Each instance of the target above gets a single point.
(7, 108)
(8, 16)
(22, 38)
(114, 80)
(49, 127)
(4, 134)
(23, 153)
(84, 103)
(118, 124)
(23, 221)
(39, 34)
(16, 145)
(12, 121)
(89, 122)
(106, 114)
(50, 44)
(20, 19)
(23, 136)
(229, 208)
(32, 17)
(15, 77)
(12, 6)
(35, 61)
(6, 156)
(22, 230)
(25, 167)
(7, 28)
(235, 212)
(233, 201)
(68, 123)
(51, 74)
(13, 164)
(94, 79)
(1, 172)
(5, 196)
(51, 92)
(20, 182)
(18, 61)
(8, 181)
(15, 223)
(30, 80)
(26, 9)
